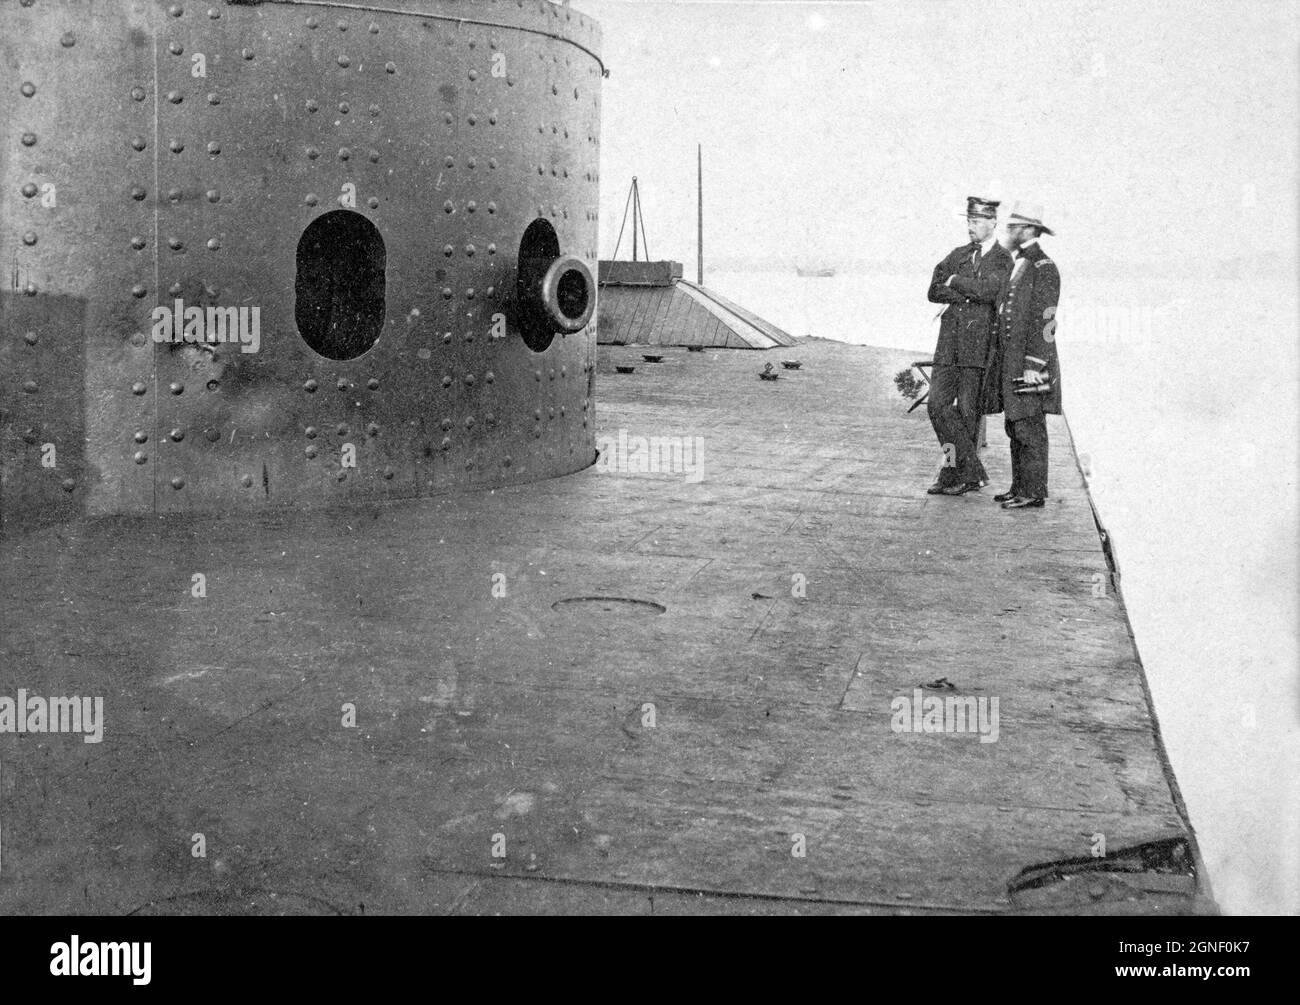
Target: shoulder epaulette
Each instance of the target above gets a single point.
(1043, 261)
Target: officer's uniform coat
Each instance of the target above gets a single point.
(967, 325)
(1026, 336)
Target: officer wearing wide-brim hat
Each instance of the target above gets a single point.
(1029, 382)
(967, 280)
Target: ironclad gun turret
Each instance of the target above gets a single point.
(293, 252)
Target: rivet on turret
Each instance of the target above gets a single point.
(309, 386)
(312, 23)
(446, 443)
(312, 153)
(390, 67)
(343, 26)
(313, 105)
(176, 387)
(137, 243)
(30, 338)
(140, 457)
(341, 429)
(373, 202)
(137, 192)
(176, 146)
(68, 40)
(138, 388)
(214, 244)
(492, 249)
(175, 243)
(388, 474)
(176, 49)
(137, 93)
(214, 98)
(138, 291)
(342, 384)
(213, 195)
(214, 13)
(446, 381)
(344, 61)
(448, 118)
(176, 289)
(174, 195)
(344, 108)
(310, 451)
(214, 148)
(448, 206)
(246, 481)
(374, 111)
(28, 89)
(446, 338)
(178, 482)
(473, 74)
(373, 28)
(68, 485)
(246, 53)
(138, 143)
(374, 156)
(372, 429)
(373, 384)
(29, 139)
(30, 386)
(178, 434)
(141, 436)
(175, 97)
(29, 238)
(175, 10)
(29, 190)
(345, 154)
(469, 250)
(311, 199)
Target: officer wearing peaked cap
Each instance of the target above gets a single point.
(967, 280)
(1026, 382)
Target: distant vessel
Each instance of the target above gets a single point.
(820, 271)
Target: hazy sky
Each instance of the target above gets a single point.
(1165, 131)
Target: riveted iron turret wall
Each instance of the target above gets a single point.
(160, 152)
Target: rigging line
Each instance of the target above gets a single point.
(623, 224)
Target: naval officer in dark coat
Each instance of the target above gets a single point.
(1026, 382)
(967, 281)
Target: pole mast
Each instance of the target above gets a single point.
(699, 220)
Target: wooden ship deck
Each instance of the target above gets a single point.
(503, 649)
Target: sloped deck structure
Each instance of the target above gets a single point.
(648, 303)
(615, 691)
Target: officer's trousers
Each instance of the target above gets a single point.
(954, 409)
(1028, 456)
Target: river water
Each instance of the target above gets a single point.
(1181, 396)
